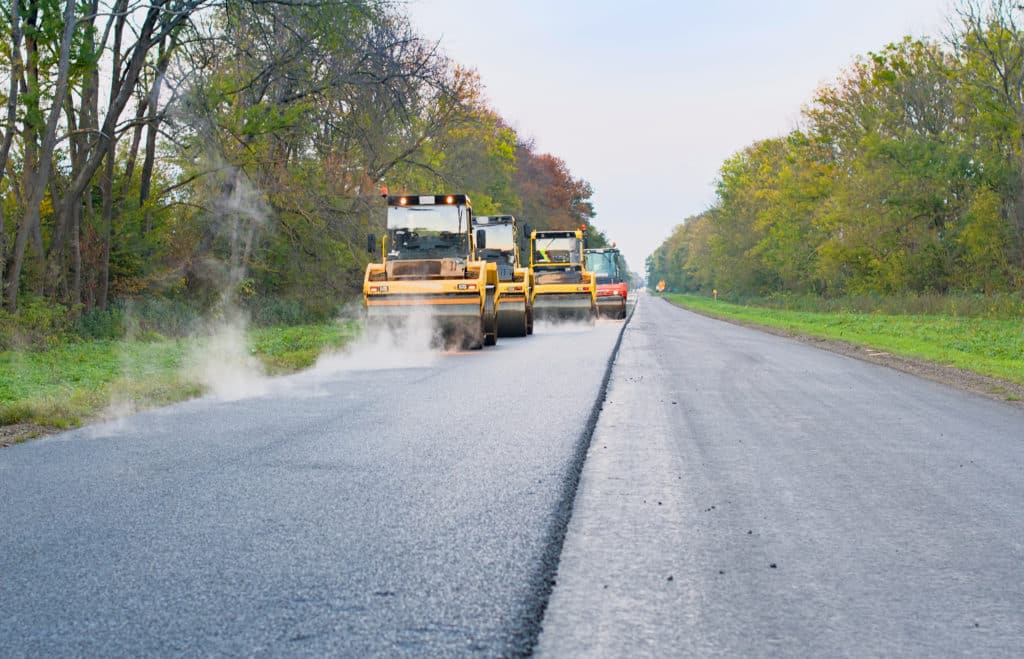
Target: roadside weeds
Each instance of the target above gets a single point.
(71, 385)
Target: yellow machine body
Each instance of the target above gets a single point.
(514, 302)
(428, 266)
(563, 288)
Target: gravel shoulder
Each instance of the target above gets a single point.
(22, 432)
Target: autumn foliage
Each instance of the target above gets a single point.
(906, 177)
(201, 151)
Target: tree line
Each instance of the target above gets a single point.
(906, 176)
(190, 149)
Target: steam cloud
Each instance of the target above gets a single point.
(409, 344)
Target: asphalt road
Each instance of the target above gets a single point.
(743, 494)
(749, 495)
(391, 502)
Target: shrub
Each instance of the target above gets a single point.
(101, 324)
(37, 324)
(148, 317)
(275, 312)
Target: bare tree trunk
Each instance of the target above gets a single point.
(12, 92)
(30, 137)
(1018, 224)
(133, 152)
(11, 127)
(107, 192)
(42, 171)
(153, 125)
(107, 177)
(57, 255)
(64, 252)
(87, 219)
(3, 252)
(76, 255)
(81, 208)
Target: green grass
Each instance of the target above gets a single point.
(1004, 306)
(289, 349)
(72, 383)
(993, 347)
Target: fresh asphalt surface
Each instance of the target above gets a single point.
(365, 508)
(744, 494)
(748, 495)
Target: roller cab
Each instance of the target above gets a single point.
(428, 266)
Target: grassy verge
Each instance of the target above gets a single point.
(991, 347)
(72, 383)
(289, 349)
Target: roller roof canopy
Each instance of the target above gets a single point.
(428, 200)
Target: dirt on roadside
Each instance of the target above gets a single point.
(20, 432)
(1002, 390)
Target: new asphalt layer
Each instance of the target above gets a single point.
(394, 501)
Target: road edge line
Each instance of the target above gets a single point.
(544, 580)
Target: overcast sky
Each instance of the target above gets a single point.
(646, 98)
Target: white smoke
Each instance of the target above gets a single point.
(114, 420)
(410, 343)
(222, 362)
(220, 359)
(561, 326)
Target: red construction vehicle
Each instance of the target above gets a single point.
(612, 281)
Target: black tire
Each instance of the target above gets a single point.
(512, 325)
(490, 321)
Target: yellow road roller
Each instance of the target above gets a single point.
(515, 282)
(563, 289)
(429, 265)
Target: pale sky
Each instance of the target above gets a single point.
(645, 99)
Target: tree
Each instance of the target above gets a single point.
(58, 71)
(551, 197)
(41, 137)
(989, 43)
